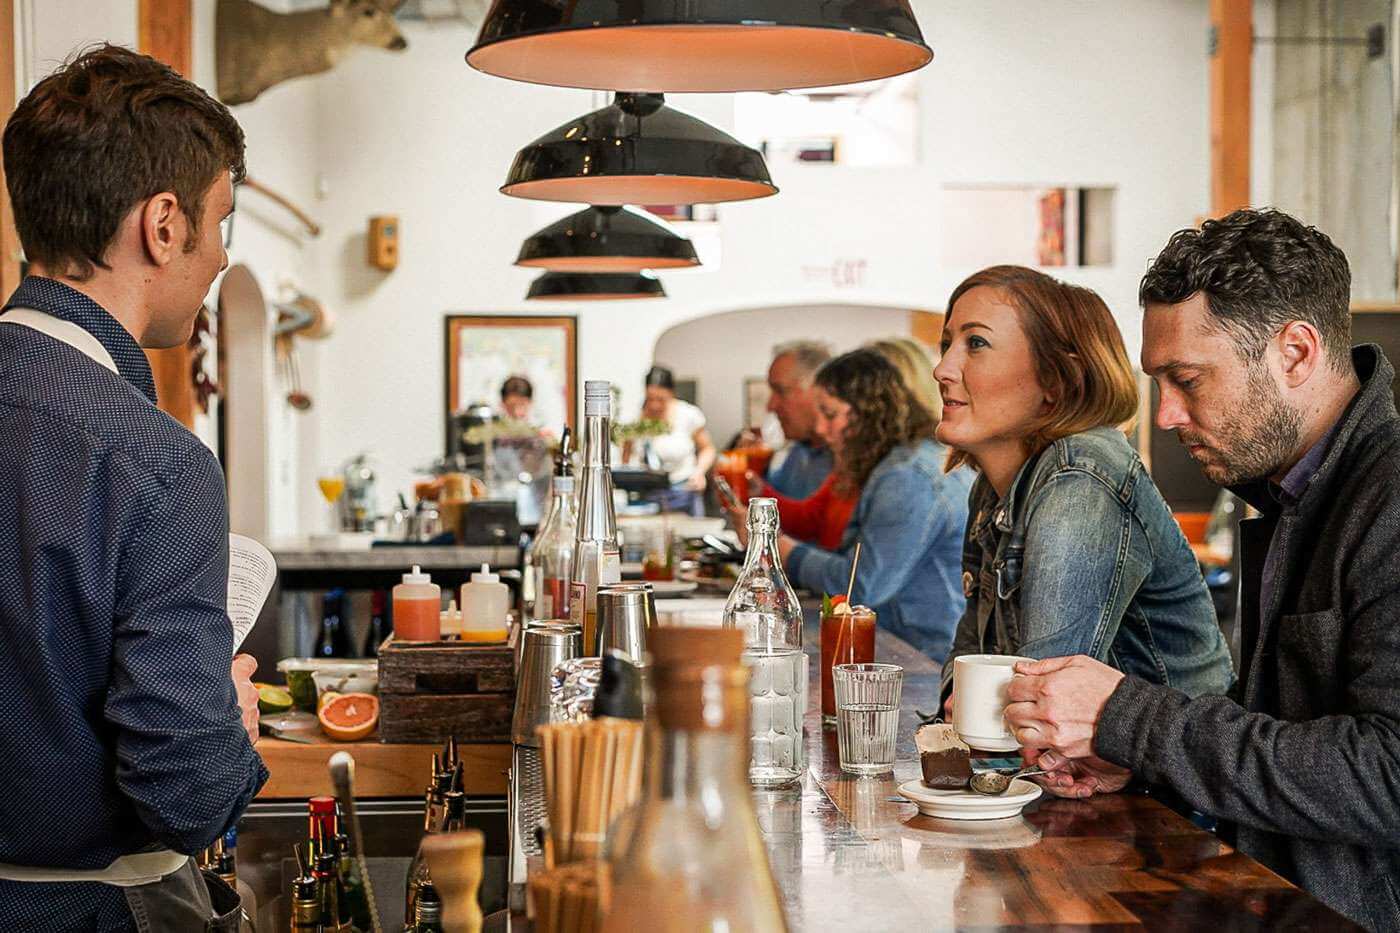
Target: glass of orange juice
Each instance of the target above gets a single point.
(331, 482)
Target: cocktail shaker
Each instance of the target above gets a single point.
(626, 611)
(545, 645)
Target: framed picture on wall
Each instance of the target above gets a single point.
(483, 350)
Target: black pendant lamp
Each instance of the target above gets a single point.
(637, 150)
(607, 239)
(600, 286)
(699, 45)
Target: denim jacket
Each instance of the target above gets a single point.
(910, 521)
(1083, 557)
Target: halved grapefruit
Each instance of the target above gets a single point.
(350, 716)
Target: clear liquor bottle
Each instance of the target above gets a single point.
(550, 560)
(764, 607)
(597, 557)
(695, 858)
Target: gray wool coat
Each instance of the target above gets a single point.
(1303, 756)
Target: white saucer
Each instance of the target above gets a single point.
(967, 804)
(670, 589)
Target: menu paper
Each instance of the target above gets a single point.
(251, 570)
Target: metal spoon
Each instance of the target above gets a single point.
(995, 783)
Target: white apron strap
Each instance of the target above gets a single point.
(63, 331)
(126, 871)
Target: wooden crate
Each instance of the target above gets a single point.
(431, 690)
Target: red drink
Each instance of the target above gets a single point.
(847, 638)
(733, 466)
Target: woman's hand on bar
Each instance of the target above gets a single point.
(1056, 703)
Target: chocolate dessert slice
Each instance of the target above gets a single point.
(945, 758)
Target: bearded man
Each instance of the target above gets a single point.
(1247, 333)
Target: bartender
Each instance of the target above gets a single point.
(684, 452)
(128, 746)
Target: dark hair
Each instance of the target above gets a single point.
(517, 385)
(1259, 270)
(1076, 348)
(105, 132)
(661, 376)
(884, 413)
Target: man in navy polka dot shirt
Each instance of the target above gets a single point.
(126, 742)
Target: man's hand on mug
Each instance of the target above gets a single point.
(1056, 703)
(242, 671)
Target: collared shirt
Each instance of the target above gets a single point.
(1287, 494)
(119, 724)
(803, 470)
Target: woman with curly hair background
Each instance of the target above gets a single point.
(821, 518)
(910, 514)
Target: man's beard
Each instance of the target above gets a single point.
(1250, 448)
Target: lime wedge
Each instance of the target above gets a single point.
(274, 699)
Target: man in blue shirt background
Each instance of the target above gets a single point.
(128, 746)
(800, 468)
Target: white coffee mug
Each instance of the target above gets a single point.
(979, 700)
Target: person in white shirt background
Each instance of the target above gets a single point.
(685, 452)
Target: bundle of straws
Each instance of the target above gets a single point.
(571, 898)
(592, 773)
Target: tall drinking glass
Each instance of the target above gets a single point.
(867, 715)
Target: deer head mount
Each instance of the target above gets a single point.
(257, 47)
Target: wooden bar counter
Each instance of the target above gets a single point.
(848, 853)
(298, 770)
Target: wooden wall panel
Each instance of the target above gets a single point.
(9, 241)
(926, 327)
(165, 30)
(1232, 24)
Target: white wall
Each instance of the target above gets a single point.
(1110, 93)
(49, 31)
